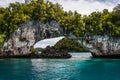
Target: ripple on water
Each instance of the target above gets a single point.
(60, 69)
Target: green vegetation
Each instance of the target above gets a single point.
(38, 49)
(69, 45)
(104, 22)
(2, 38)
(65, 45)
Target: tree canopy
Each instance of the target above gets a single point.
(103, 22)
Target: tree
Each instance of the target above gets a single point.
(100, 23)
(116, 8)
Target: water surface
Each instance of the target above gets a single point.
(60, 69)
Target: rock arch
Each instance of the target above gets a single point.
(22, 40)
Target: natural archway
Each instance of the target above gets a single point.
(23, 39)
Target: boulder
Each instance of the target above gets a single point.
(51, 52)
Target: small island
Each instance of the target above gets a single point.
(24, 24)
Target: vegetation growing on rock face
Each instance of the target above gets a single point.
(15, 14)
(65, 44)
(1, 38)
(69, 45)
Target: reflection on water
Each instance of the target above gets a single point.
(60, 69)
(80, 54)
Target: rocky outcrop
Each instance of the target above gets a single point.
(22, 40)
(51, 52)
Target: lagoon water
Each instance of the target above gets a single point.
(60, 69)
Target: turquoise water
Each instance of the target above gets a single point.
(60, 69)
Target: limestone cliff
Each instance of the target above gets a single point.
(22, 40)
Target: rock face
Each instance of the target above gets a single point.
(51, 52)
(22, 40)
(102, 46)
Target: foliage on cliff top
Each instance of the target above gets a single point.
(103, 22)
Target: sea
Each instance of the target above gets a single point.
(76, 68)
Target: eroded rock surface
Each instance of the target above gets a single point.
(23, 39)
